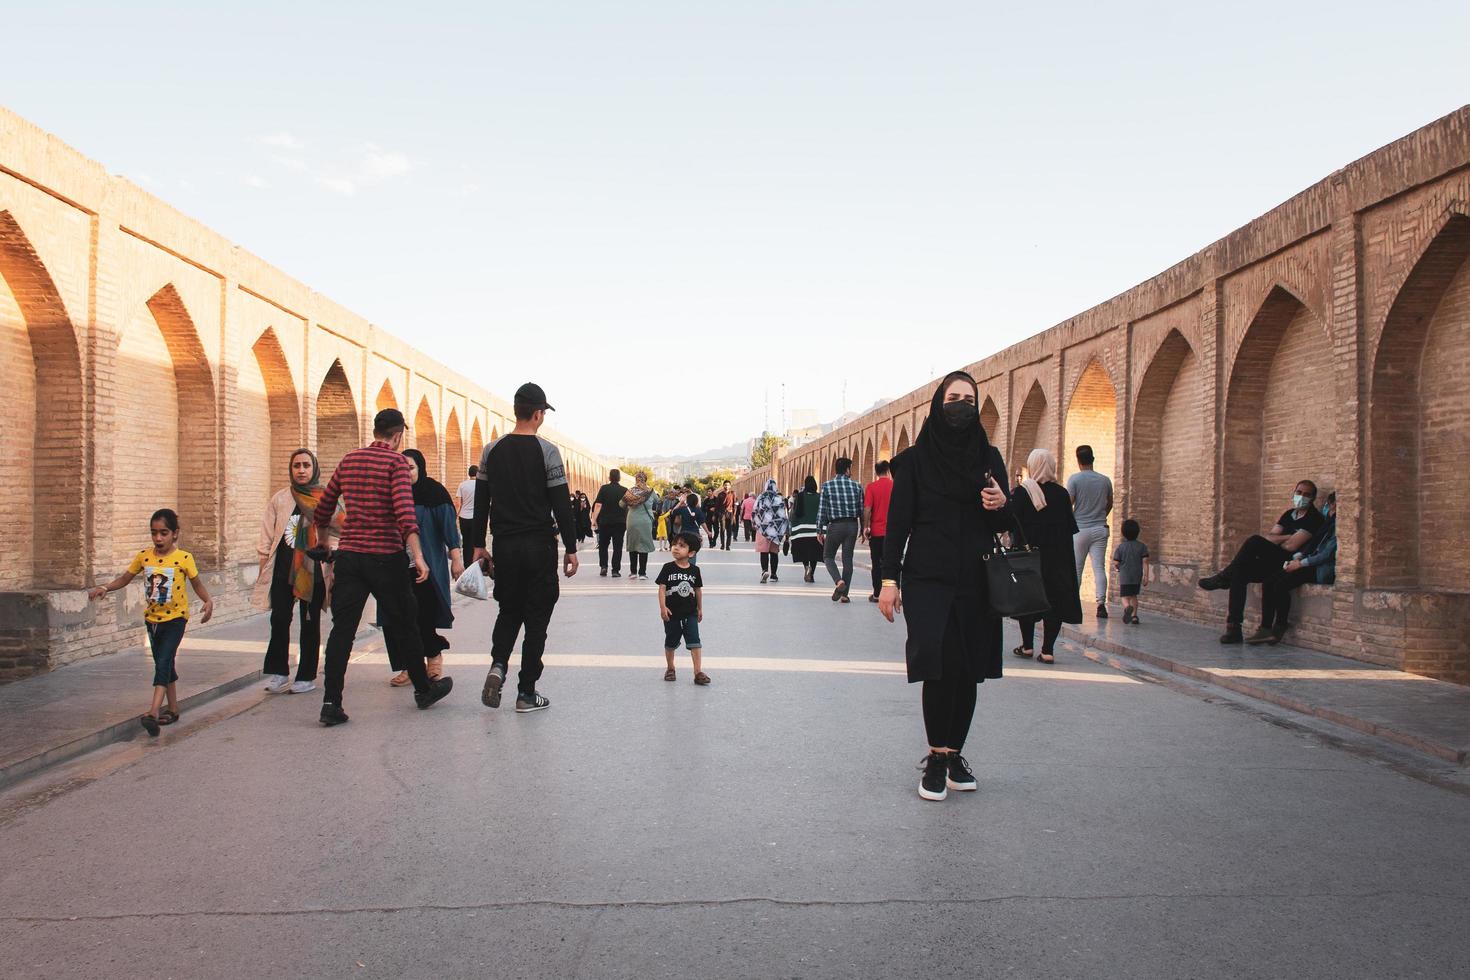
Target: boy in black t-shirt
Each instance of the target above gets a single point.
(681, 603)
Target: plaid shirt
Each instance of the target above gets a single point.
(842, 496)
(378, 485)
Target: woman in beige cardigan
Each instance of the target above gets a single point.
(290, 577)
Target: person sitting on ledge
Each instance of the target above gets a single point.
(1316, 563)
(1262, 555)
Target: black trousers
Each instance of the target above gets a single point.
(283, 604)
(1276, 594)
(769, 561)
(750, 530)
(526, 589)
(464, 538)
(949, 703)
(1051, 629)
(637, 563)
(605, 536)
(426, 622)
(875, 552)
(356, 576)
(727, 531)
(1256, 561)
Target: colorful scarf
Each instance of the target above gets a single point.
(303, 568)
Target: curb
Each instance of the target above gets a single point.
(1098, 650)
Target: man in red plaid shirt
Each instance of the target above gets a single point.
(376, 482)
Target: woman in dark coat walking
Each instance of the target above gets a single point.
(947, 505)
(1044, 509)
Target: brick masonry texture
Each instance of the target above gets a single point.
(1328, 339)
(155, 364)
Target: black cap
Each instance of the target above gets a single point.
(388, 419)
(531, 394)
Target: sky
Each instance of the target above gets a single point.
(667, 213)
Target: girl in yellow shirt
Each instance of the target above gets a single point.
(165, 568)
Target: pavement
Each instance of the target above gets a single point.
(767, 825)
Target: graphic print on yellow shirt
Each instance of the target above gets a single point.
(163, 583)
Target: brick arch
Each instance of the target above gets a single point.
(426, 438)
(1418, 436)
(477, 442)
(1092, 420)
(1280, 383)
(1167, 455)
(196, 426)
(885, 447)
(336, 419)
(990, 419)
(870, 456)
(282, 403)
(49, 432)
(386, 398)
(903, 440)
(1030, 425)
(456, 466)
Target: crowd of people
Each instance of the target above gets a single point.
(931, 518)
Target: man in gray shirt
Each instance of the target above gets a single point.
(1092, 501)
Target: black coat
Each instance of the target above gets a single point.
(934, 548)
(1050, 531)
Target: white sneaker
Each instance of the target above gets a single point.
(303, 687)
(276, 683)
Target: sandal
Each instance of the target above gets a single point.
(669, 674)
(1046, 658)
(1021, 652)
(701, 678)
(167, 717)
(400, 679)
(149, 723)
(435, 666)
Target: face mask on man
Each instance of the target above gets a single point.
(1301, 501)
(960, 415)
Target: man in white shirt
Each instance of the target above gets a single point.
(465, 497)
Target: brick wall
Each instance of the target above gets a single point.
(155, 364)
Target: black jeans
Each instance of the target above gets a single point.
(283, 603)
(949, 703)
(163, 640)
(727, 532)
(606, 534)
(750, 530)
(875, 555)
(769, 561)
(526, 589)
(637, 563)
(1276, 595)
(356, 576)
(1256, 561)
(1051, 629)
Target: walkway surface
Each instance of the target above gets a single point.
(767, 825)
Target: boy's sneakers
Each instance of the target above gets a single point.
(494, 681)
(303, 687)
(150, 724)
(436, 692)
(276, 683)
(332, 714)
(936, 772)
(531, 702)
(960, 777)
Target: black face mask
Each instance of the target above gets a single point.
(960, 415)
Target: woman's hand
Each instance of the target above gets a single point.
(993, 497)
(890, 601)
(456, 564)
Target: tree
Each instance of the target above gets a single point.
(764, 449)
(710, 482)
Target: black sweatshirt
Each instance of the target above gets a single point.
(521, 486)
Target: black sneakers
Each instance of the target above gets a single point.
(494, 681)
(436, 692)
(1102, 610)
(531, 702)
(1231, 635)
(1263, 635)
(1214, 583)
(332, 714)
(936, 772)
(960, 777)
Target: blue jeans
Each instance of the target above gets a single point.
(164, 639)
(682, 626)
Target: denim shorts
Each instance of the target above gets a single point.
(164, 639)
(682, 626)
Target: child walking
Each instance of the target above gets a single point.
(681, 603)
(165, 567)
(1131, 569)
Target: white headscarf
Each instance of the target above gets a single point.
(1041, 467)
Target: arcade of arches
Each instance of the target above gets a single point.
(1328, 339)
(157, 365)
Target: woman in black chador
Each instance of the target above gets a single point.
(947, 506)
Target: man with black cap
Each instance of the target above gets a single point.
(520, 490)
(376, 484)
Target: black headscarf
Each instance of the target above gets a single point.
(427, 491)
(952, 463)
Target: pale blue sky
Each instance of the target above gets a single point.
(587, 194)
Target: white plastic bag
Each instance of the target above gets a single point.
(473, 582)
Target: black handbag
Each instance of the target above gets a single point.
(1013, 578)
